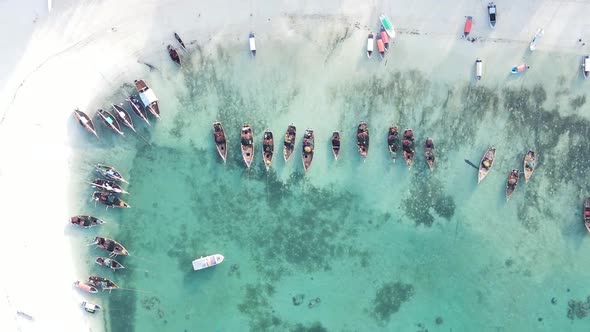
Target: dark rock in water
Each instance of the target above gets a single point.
(389, 298)
(578, 309)
(540, 319)
(314, 303)
(553, 300)
(298, 299)
(438, 320)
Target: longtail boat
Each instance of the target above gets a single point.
(530, 163)
(336, 144)
(252, 43)
(393, 142)
(370, 43)
(362, 139)
(110, 121)
(380, 46)
(85, 287)
(123, 116)
(408, 147)
(247, 143)
(268, 148)
(386, 23)
(85, 121)
(511, 183)
(384, 38)
(110, 245)
(519, 69)
(148, 97)
(289, 142)
(177, 37)
(478, 69)
(220, 142)
(109, 262)
(429, 153)
(308, 147)
(137, 108)
(587, 213)
(208, 261)
(109, 172)
(102, 283)
(486, 163)
(536, 38)
(109, 199)
(467, 28)
(174, 55)
(86, 221)
(90, 307)
(108, 185)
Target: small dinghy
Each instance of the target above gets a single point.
(219, 138)
(308, 147)
(209, 261)
(85, 121)
(173, 52)
(492, 14)
(384, 38)
(362, 139)
(90, 307)
(393, 142)
(268, 148)
(247, 144)
(148, 97)
(108, 185)
(86, 221)
(587, 214)
(289, 142)
(252, 43)
(109, 262)
(511, 183)
(386, 23)
(519, 69)
(109, 199)
(586, 65)
(110, 121)
(536, 38)
(177, 37)
(370, 42)
(530, 163)
(408, 147)
(336, 144)
(380, 46)
(478, 69)
(486, 163)
(110, 245)
(102, 283)
(467, 28)
(85, 287)
(109, 172)
(138, 109)
(123, 116)
(429, 153)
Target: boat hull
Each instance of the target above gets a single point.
(207, 262)
(490, 157)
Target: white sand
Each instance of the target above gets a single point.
(72, 57)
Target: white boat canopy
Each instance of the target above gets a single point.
(586, 64)
(252, 41)
(148, 97)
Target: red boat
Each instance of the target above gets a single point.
(468, 24)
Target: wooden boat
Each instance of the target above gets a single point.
(109, 199)
(90, 307)
(370, 42)
(362, 139)
(308, 147)
(109, 172)
(380, 46)
(247, 143)
(384, 38)
(536, 38)
(486, 163)
(219, 138)
(519, 69)
(148, 97)
(530, 163)
(123, 116)
(102, 283)
(386, 23)
(511, 183)
(177, 37)
(110, 121)
(208, 261)
(408, 147)
(109, 262)
(252, 43)
(478, 69)
(492, 14)
(85, 287)
(86, 221)
(289, 142)
(393, 142)
(429, 153)
(268, 148)
(587, 213)
(85, 121)
(108, 185)
(586, 65)
(336, 144)
(174, 55)
(467, 28)
(110, 245)
(138, 109)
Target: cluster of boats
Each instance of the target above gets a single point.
(386, 31)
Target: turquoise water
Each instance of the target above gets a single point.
(351, 245)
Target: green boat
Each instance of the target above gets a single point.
(386, 23)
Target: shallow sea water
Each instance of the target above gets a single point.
(351, 245)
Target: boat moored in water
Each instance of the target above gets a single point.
(109, 199)
(536, 38)
(109, 262)
(478, 69)
(252, 43)
(586, 66)
(380, 46)
(384, 38)
(90, 307)
(220, 141)
(208, 261)
(102, 283)
(108, 185)
(530, 163)
(370, 42)
(110, 121)
(289, 142)
(467, 28)
(519, 69)
(148, 97)
(173, 52)
(393, 142)
(587, 214)
(109, 172)
(362, 139)
(247, 144)
(86, 221)
(268, 148)
(85, 287)
(386, 23)
(123, 116)
(85, 121)
(408, 147)
(308, 148)
(177, 37)
(486, 163)
(511, 183)
(336, 144)
(492, 14)
(138, 109)
(110, 245)
(429, 153)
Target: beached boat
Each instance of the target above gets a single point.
(336, 144)
(289, 142)
(109, 199)
(492, 14)
(362, 139)
(109, 262)
(85, 121)
(90, 307)
(536, 38)
(220, 142)
(85, 287)
(380, 46)
(102, 283)
(177, 37)
(386, 23)
(429, 153)
(586, 65)
(268, 148)
(86, 221)
(108, 185)
(208, 261)
(173, 52)
(148, 97)
(511, 183)
(110, 245)
(110, 121)
(519, 69)
(370, 42)
(109, 172)
(247, 143)
(252, 43)
(587, 213)
(308, 147)
(478, 69)
(123, 116)
(486, 163)
(384, 38)
(530, 163)
(393, 142)
(137, 108)
(467, 28)
(408, 147)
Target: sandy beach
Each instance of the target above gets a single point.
(78, 54)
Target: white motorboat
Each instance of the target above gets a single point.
(90, 307)
(586, 66)
(252, 43)
(536, 39)
(478, 69)
(208, 261)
